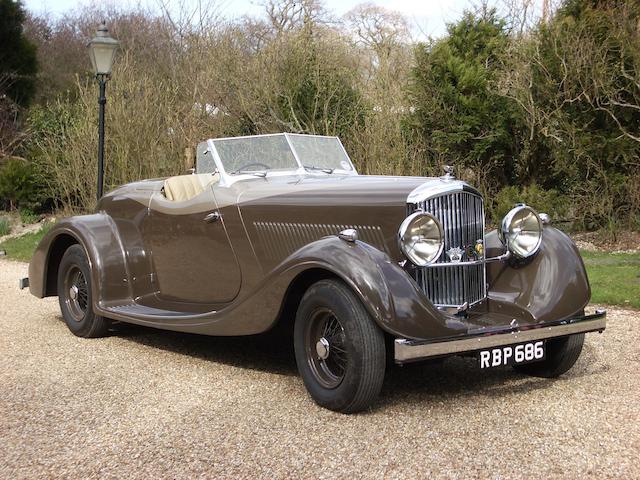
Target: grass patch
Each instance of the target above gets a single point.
(614, 278)
(5, 227)
(22, 248)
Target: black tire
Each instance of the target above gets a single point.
(561, 355)
(349, 377)
(75, 297)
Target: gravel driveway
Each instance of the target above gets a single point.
(147, 404)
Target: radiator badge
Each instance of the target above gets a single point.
(471, 252)
(479, 249)
(455, 254)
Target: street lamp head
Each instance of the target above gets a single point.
(102, 49)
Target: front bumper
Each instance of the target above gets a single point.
(414, 350)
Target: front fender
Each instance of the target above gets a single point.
(392, 298)
(552, 286)
(98, 235)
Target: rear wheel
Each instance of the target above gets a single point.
(340, 351)
(561, 355)
(75, 296)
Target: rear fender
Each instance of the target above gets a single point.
(98, 236)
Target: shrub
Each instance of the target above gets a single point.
(19, 185)
(28, 216)
(547, 201)
(577, 80)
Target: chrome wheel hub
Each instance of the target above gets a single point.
(73, 292)
(322, 348)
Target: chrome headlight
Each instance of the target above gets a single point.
(521, 231)
(420, 238)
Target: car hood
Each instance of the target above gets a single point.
(344, 190)
(290, 211)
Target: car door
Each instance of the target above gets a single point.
(192, 256)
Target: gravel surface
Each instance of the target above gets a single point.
(145, 403)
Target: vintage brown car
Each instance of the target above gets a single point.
(281, 229)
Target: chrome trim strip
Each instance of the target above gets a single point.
(499, 258)
(459, 308)
(410, 350)
(436, 187)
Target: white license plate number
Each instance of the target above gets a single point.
(512, 354)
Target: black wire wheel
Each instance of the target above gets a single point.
(340, 351)
(75, 297)
(326, 351)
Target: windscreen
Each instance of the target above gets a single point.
(320, 152)
(254, 154)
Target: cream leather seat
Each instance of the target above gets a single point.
(184, 187)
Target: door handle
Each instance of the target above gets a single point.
(212, 217)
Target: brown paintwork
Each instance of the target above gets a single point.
(183, 242)
(158, 263)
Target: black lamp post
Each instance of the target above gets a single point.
(102, 49)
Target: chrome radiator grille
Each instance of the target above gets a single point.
(446, 283)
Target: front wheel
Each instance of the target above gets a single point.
(75, 296)
(340, 351)
(561, 355)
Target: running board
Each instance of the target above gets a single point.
(135, 310)
(414, 350)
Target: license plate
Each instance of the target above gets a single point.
(512, 354)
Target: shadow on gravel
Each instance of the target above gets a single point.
(268, 352)
(451, 377)
(446, 379)
(272, 352)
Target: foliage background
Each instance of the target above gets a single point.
(544, 109)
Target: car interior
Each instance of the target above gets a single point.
(184, 187)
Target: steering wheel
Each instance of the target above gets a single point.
(252, 164)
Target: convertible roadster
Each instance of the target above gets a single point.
(281, 230)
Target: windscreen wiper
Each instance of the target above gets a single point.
(322, 169)
(257, 173)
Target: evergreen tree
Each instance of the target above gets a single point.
(18, 64)
(455, 109)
